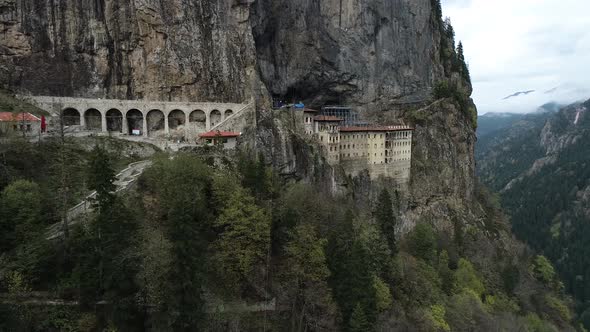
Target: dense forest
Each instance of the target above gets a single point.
(216, 241)
(548, 203)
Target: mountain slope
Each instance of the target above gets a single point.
(542, 168)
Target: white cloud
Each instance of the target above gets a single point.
(524, 45)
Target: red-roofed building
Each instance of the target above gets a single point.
(229, 139)
(327, 118)
(19, 124)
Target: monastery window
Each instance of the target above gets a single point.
(322, 138)
(353, 146)
(375, 146)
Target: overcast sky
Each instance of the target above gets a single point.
(523, 45)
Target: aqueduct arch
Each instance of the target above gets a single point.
(176, 118)
(198, 119)
(155, 121)
(71, 117)
(215, 118)
(114, 120)
(93, 119)
(228, 113)
(134, 120)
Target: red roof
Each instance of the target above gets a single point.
(217, 133)
(327, 118)
(375, 128)
(13, 117)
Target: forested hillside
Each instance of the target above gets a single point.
(543, 174)
(201, 231)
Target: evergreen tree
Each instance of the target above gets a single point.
(358, 320)
(182, 186)
(386, 219)
(101, 178)
(436, 9)
(351, 275)
(243, 240)
(422, 242)
(449, 32)
(463, 65)
(20, 214)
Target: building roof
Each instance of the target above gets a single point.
(375, 128)
(217, 133)
(327, 118)
(309, 110)
(13, 117)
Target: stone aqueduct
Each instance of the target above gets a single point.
(148, 118)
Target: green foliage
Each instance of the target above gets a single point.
(543, 270)
(422, 242)
(447, 277)
(351, 277)
(256, 176)
(306, 259)
(382, 294)
(501, 303)
(463, 68)
(244, 237)
(182, 187)
(415, 282)
(446, 89)
(467, 278)
(385, 218)
(358, 320)
(436, 315)
(510, 278)
(21, 216)
(101, 178)
(558, 309)
(536, 324)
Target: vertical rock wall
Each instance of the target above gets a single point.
(372, 53)
(135, 49)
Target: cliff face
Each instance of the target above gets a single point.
(377, 55)
(370, 53)
(152, 49)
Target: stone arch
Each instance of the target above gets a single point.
(71, 117)
(93, 119)
(215, 118)
(155, 121)
(134, 120)
(198, 121)
(228, 113)
(114, 120)
(176, 118)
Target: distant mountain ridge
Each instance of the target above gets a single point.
(541, 166)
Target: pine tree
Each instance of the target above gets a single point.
(386, 219)
(449, 31)
(101, 178)
(437, 9)
(358, 320)
(463, 65)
